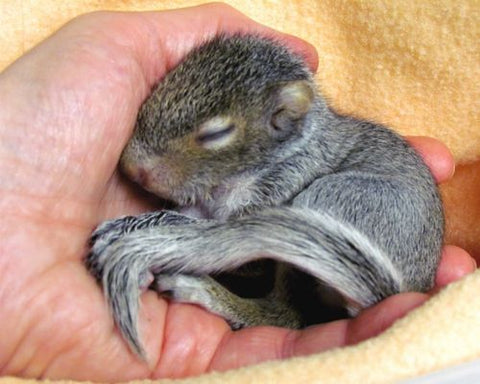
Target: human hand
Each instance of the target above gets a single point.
(68, 108)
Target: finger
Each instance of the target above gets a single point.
(255, 345)
(249, 346)
(234, 21)
(191, 338)
(455, 264)
(436, 155)
(369, 323)
(377, 319)
(176, 32)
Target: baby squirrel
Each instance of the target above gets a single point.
(238, 136)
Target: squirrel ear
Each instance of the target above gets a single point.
(294, 100)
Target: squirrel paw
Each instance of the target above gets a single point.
(238, 312)
(200, 290)
(203, 291)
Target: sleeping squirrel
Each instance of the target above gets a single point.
(261, 168)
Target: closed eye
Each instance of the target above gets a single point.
(216, 133)
(204, 137)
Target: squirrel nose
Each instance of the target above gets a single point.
(152, 176)
(137, 173)
(141, 176)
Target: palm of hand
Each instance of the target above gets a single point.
(73, 110)
(67, 140)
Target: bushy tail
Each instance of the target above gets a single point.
(332, 251)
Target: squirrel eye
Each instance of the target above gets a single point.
(216, 133)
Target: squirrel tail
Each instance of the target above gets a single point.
(333, 251)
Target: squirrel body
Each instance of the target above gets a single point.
(238, 136)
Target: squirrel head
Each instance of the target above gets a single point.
(229, 108)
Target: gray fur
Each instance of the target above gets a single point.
(348, 202)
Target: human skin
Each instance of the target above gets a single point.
(68, 108)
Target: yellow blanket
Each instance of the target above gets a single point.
(412, 65)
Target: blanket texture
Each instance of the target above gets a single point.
(411, 65)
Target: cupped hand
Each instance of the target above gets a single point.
(68, 108)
